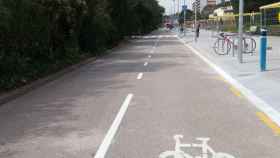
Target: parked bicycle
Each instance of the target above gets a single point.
(225, 43)
(207, 151)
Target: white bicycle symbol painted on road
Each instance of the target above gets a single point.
(206, 150)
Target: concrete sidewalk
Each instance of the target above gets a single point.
(265, 85)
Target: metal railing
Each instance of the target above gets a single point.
(267, 18)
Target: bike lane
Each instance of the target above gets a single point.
(180, 94)
(69, 116)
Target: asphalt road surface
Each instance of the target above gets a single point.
(131, 103)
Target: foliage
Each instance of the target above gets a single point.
(189, 16)
(207, 10)
(38, 37)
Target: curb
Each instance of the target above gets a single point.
(40, 82)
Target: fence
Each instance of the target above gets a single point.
(229, 23)
(268, 18)
(271, 18)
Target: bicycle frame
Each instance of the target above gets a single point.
(178, 144)
(206, 150)
(204, 146)
(226, 43)
(227, 38)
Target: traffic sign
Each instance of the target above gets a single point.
(184, 7)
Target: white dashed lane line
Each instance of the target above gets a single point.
(146, 64)
(103, 148)
(140, 76)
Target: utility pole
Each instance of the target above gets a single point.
(240, 31)
(185, 13)
(185, 17)
(196, 6)
(174, 12)
(178, 8)
(195, 18)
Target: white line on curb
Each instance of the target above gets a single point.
(103, 148)
(258, 102)
(146, 64)
(140, 76)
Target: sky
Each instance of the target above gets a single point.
(169, 5)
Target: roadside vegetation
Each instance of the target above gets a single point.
(39, 37)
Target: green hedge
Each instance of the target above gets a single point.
(38, 37)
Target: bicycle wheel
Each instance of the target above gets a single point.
(249, 45)
(222, 47)
(174, 154)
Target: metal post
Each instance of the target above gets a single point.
(240, 41)
(178, 9)
(174, 15)
(178, 13)
(195, 19)
(263, 49)
(184, 18)
(195, 13)
(265, 18)
(261, 20)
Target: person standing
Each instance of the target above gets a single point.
(221, 24)
(197, 31)
(181, 24)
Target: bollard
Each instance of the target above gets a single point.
(263, 47)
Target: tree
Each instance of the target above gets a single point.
(207, 10)
(189, 15)
(41, 36)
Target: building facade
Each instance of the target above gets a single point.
(211, 2)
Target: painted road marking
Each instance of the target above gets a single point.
(103, 148)
(257, 102)
(236, 92)
(264, 118)
(146, 64)
(222, 79)
(205, 149)
(149, 56)
(140, 76)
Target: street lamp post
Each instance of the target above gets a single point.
(195, 12)
(240, 40)
(195, 18)
(174, 12)
(185, 9)
(178, 9)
